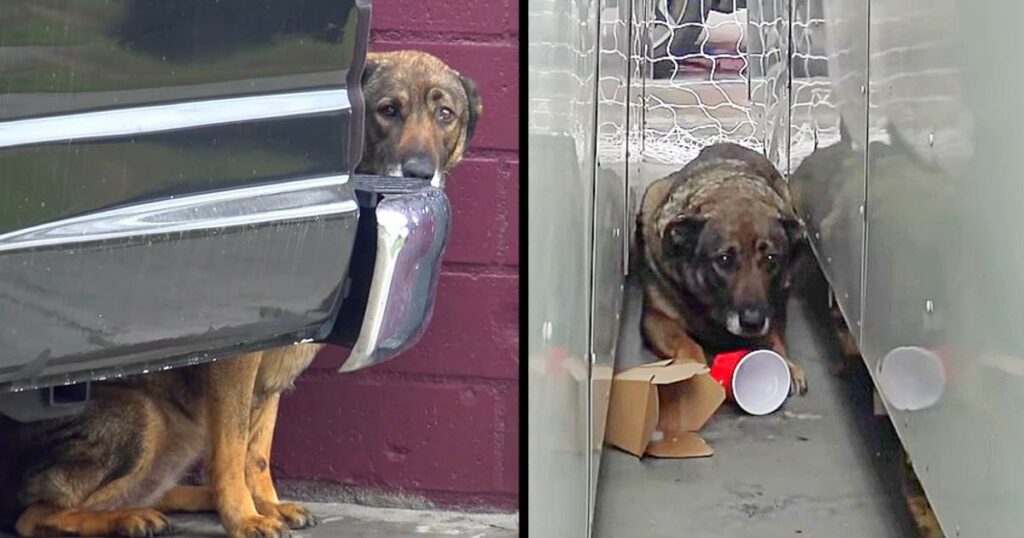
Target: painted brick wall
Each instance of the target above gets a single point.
(442, 421)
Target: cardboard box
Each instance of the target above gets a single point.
(673, 397)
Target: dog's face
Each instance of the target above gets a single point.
(736, 262)
(420, 115)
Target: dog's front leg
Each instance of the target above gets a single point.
(257, 470)
(796, 373)
(230, 386)
(667, 338)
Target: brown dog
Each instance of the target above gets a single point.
(718, 240)
(420, 115)
(112, 470)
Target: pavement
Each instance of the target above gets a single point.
(355, 521)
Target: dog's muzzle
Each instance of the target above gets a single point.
(418, 167)
(436, 177)
(748, 323)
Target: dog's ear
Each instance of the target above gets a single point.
(476, 107)
(795, 233)
(681, 235)
(368, 69)
(800, 259)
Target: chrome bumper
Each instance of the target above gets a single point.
(412, 230)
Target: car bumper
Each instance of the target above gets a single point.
(408, 228)
(175, 281)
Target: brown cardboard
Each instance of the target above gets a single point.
(673, 397)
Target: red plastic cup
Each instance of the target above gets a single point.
(757, 381)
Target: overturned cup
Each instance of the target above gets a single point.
(758, 381)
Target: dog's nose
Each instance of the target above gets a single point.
(418, 167)
(752, 319)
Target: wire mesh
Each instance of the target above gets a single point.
(720, 71)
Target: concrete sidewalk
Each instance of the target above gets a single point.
(355, 521)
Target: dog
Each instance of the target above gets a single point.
(718, 243)
(421, 114)
(114, 469)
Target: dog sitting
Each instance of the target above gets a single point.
(719, 240)
(113, 470)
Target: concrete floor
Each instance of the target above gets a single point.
(355, 521)
(824, 466)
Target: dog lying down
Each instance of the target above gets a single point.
(114, 470)
(719, 240)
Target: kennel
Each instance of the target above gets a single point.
(894, 124)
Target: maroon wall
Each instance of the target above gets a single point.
(441, 421)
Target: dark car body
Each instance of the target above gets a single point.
(176, 186)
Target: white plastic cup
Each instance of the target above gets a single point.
(760, 382)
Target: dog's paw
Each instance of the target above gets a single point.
(294, 515)
(261, 527)
(142, 522)
(799, 380)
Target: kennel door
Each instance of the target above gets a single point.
(561, 128)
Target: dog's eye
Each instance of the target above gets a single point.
(445, 114)
(388, 111)
(724, 261)
(771, 260)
